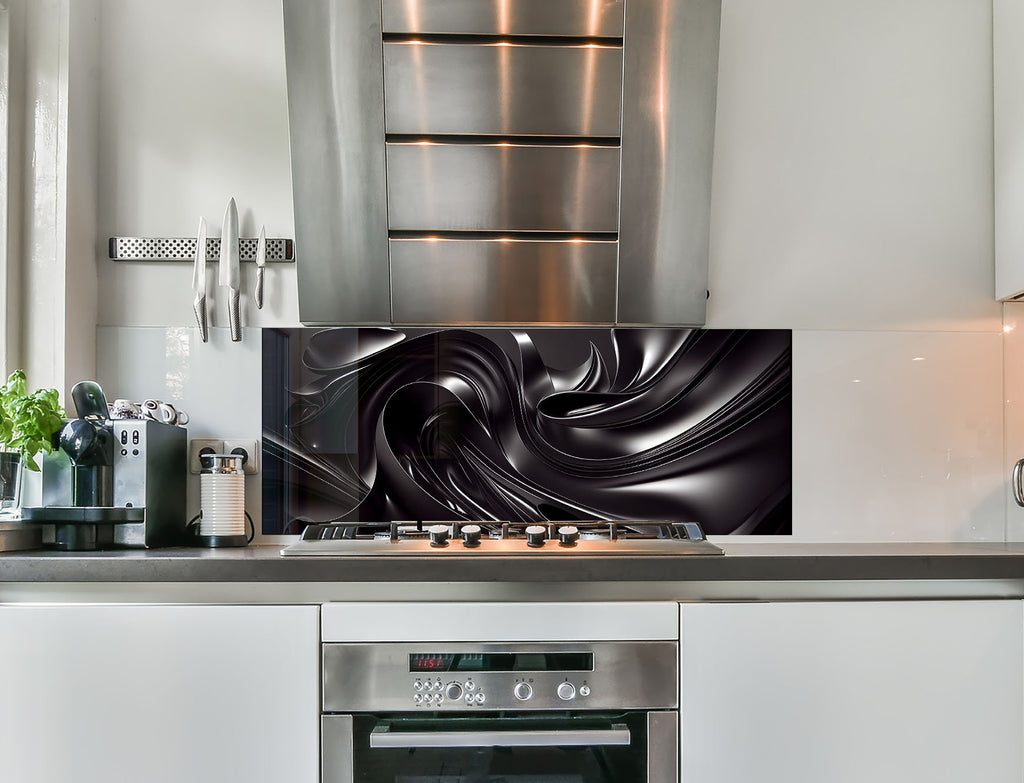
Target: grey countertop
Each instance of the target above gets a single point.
(750, 570)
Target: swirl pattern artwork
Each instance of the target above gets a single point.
(392, 424)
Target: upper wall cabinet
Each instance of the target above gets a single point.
(512, 161)
(1008, 108)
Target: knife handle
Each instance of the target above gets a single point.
(234, 317)
(258, 294)
(199, 306)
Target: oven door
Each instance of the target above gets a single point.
(630, 747)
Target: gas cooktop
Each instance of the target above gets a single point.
(551, 539)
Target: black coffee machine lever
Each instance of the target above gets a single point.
(88, 442)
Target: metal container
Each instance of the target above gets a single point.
(222, 498)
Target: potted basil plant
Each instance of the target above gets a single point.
(28, 423)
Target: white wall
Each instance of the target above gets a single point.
(852, 203)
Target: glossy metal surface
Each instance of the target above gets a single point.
(261, 263)
(228, 269)
(491, 281)
(375, 677)
(662, 747)
(669, 95)
(488, 547)
(502, 17)
(382, 737)
(199, 282)
(502, 89)
(1017, 484)
(336, 122)
(336, 746)
(502, 187)
(348, 192)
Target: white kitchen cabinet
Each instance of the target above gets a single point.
(159, 694)
(852, 692)
(1008, 151)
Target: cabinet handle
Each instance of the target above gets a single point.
(1018, 489)
(382, 737)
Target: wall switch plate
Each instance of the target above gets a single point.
(198, 446)
(250, 448)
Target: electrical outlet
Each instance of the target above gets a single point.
(250, 450)
(198, 446)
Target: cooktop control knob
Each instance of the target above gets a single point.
(471, 535)
(535, 535)
(453, 691)
(568, 535)
(522, 691)
(438, 535)
(566, 691)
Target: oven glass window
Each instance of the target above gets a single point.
(540, 759)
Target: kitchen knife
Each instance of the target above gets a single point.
(261, 262)
(199, 281)
(229, 275)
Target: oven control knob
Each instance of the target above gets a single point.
(522, 691)
(438, 535)
(568, 535)
(471, 535)
(584, 690)
(453, 691)
(566, 691)
(535, 535)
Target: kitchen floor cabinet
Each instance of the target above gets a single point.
(159, 694)
(849, 692)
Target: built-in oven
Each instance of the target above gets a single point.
(517, 712)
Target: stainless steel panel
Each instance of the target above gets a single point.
(502, 89)
(336, 748)
(493, 281)
(598, 18)
(502, 187)
(376, 678)
(662, 747)
(336, 120)
(669, 91)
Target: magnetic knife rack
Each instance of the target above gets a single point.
(279, 251)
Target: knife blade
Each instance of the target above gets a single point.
(199, 282)
(229, 274)
(261, 262)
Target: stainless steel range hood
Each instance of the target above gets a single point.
(502, 161)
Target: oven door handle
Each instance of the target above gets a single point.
(382, 737)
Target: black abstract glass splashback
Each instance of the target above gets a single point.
(386, 424)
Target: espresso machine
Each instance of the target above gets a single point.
(112, 483)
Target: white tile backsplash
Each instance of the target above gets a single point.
(897, 436)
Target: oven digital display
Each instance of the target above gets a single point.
(502, 662)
